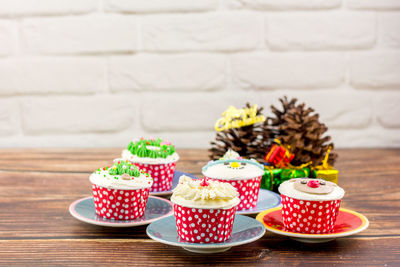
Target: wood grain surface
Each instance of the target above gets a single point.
(38, 185)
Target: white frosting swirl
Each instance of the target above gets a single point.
(287, 188)
(231, 154)
(127, 155)
(216, 195)
(104, 179)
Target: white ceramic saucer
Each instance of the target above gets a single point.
(156, 208)
(245, 230)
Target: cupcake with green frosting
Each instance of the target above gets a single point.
(120, 191)
(156, 157)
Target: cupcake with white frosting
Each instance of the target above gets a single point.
(244, 174)
(310, 205)
(156, 157)
(120, 192)
(204, 210)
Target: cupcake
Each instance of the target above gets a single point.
(120, 192)
(204, 210)
(310, 205)
(157, 158)
(245, 175)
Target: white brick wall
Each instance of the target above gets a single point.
(222, 31)
(321, 31)
(100, 72)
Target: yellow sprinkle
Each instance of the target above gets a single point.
(235, 164)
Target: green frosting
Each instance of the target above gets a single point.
(142, 150)
(121, 167)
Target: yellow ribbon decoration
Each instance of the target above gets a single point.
(325, 165)
(269, 168)
(236, 118)
(326, 171)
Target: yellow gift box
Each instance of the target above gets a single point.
(326, 171)
(330, 175)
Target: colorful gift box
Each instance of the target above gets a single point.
(270, 178)
(279, 155)
(326, 171)
(330, 175)
(273, 177)
(294, 172)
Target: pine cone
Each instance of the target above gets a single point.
(286, 105)
(299, 127)
(249, 141)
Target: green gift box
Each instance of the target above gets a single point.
(270, 177)
(290, 173)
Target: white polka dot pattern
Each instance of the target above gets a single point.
(248, 191)
(309, 217)
(119, 204)
(204, 225)
(162, 174)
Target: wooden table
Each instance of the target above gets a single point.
(38, 185)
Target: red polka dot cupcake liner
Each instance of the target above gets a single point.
(162, 174)
(309, 217)
(248, 191)
(204, 225)
(119, 204)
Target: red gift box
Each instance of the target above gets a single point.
(309, 217)
(279, 156)
(119, 204)
(248, 190)
(204, 225)
(162, 175)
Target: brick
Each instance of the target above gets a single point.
(95, 114)
(46, 7)
(373, 4)
(283, 4)
(291, 71)
(185, 114)
(63, 75)
(389, 28)
(375, 70)
(8, 76)
(188, 139)
(8, 37)
(217, 31)
(167, 72)
(321, 31)
(87, 34)
(9, 117)
(388, 110)
(138, 6)
(56, 75)
(364, 138)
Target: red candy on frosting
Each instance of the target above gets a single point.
(313, 184)
(204, 182)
